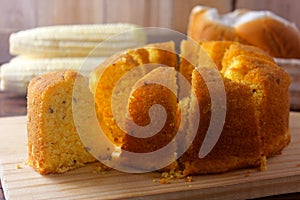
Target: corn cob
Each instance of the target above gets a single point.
(76, 40)
(16, 75)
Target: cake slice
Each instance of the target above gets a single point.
(54, 145)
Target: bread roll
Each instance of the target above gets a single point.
(264, 29)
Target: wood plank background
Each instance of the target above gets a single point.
(24, 14)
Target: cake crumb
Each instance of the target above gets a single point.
(100, 168)
(248, 173)
(189, 178)
(164, 181)
(173, 174)
(263, 166)
(165, 175)
(18, 166)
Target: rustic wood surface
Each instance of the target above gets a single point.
(18, 124)
(12, 105)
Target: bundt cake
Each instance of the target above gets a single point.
(256, 88)
(126, 90)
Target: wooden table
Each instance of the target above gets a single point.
(12, 105)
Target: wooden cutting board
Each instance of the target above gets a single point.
(21, 182)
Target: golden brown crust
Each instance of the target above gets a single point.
(257, 89)
(270, 85)
(279, 38)
(272, 36)
(147, 92)
(103, 82)
(239, 145)
(208, 30)
(216, 50)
